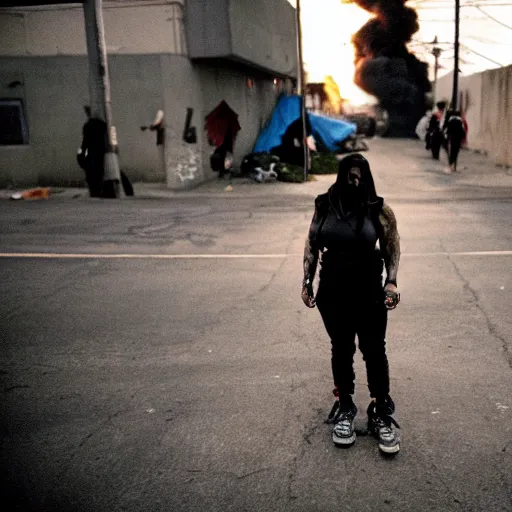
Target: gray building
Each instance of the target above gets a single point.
(163, 54)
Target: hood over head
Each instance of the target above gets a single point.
(354, 182)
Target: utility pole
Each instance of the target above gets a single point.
(99, 90)
(436, 52)
(301, 90)
(455, 91)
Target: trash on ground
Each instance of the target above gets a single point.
(32, 194)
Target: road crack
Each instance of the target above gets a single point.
(491, 328)
(309, 430)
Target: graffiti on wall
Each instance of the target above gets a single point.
(188, 166)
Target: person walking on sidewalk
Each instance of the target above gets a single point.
(435, 135)
(347, 223)
(455, 135)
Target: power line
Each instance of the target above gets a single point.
(493, 18)
(488, 42)
(449, 6)
(480, 55)
(479, 3)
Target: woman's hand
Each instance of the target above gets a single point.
(308, 297)
(392, 297)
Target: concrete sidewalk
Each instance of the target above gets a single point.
(477, 177)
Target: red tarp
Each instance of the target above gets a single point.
(220, 122)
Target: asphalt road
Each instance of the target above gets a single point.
(191, 377)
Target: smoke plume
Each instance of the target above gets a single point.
(384, 66)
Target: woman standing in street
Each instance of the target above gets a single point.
(348, 221)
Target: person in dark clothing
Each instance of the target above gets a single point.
(222, 128)
(291, 149)
(348, 221)
(435, 135)
(91, 156)
(220, 161)
(455, 135)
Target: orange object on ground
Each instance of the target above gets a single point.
(33, 193)
(36, 193)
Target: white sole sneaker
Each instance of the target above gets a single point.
(389, 450)
(344, 441)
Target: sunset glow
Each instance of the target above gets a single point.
(329, 24)
(327, 31)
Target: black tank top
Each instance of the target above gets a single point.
(349, 252)
(339, 233)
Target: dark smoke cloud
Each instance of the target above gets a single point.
(384, 66)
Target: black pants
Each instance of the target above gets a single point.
(347, 311)
(453, 153)
(437, 140)
(94, 172)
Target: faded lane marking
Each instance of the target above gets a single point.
(127, 256)
(75, 256)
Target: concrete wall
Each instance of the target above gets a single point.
(130, 28)
(254, 105)
(54, 91)
(486, 99)
(207, 28)
(496, 114)
(182, 89)
(43, 49)
(261, 33)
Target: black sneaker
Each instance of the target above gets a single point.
(342, 417)
(383, 426)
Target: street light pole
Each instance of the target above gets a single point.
(436, 51)
(99, 90)
(455, 91)
(301, 90)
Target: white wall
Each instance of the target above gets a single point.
(496, 114)
(470, 92)
(486, 99)
(130, 28)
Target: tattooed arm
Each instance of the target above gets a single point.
(390, 247)
(310, 261)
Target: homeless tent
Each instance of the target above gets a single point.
(329, 132)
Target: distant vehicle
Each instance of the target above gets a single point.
(370, 121)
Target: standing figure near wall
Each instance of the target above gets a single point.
(222, 128)
(91, 155)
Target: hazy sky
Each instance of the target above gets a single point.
(328, 26)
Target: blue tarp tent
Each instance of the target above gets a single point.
(330, 131)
